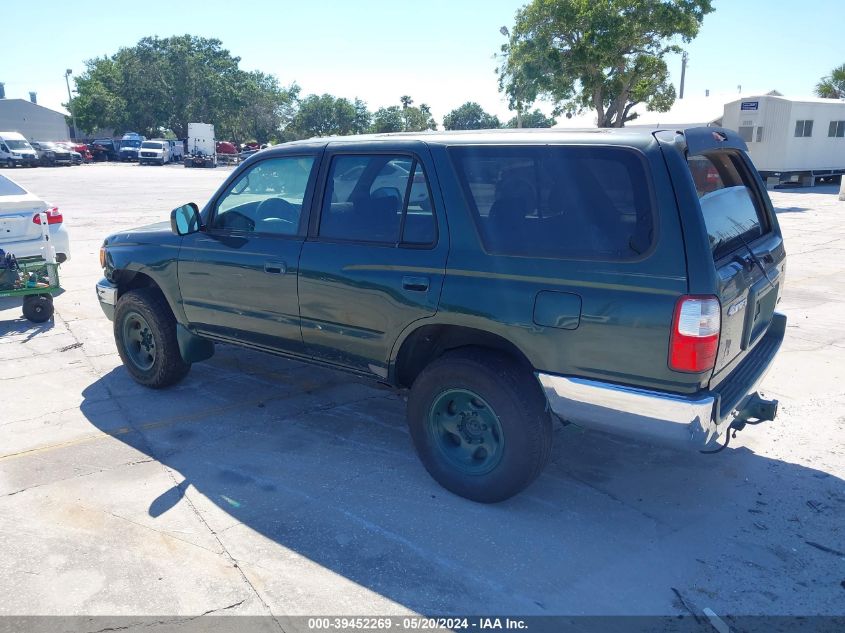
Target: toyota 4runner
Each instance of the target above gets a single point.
(620, 280)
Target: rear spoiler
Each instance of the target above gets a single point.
(703, 139)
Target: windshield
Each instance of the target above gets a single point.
(150, 145)
(132, 143)
(18, 145)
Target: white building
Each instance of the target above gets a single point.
(35, 122)
(791, 139)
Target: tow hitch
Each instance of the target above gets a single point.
(755, 411)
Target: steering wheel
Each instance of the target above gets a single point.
(278, 209)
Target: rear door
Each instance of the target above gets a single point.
(745, 244)
(375, 257)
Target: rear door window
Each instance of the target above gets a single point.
(557, 201)
(732, 212)
(378, 198)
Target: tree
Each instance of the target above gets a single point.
(606, 56)
(832, 86)
(388, 120)
(363, 117)
(406, 119)
(322, 115)
(533, 119)
(162, 84)
(470, 116)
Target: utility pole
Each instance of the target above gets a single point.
(684, 58)
(68, 73)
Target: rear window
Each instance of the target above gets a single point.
(8, 188)
(731, 211)
(557, 201)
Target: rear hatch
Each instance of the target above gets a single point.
(745, 243)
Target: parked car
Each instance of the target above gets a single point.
(130, 145)
(104, 149)
(52, 154)
(155, 152)
(567, 276)
(83, 150)
(20, 222)
(75, 156)
(15, 151)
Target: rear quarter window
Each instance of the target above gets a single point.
(730, 207)
(564, 202)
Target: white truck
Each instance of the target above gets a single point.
(202, 146)
(16, 150)
(155, 152)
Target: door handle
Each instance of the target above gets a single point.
(275, 268)
(417, 284)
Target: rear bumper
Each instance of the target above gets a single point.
(694, 421)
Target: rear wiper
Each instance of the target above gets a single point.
(755, 259)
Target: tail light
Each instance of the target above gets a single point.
(695, 334)
(54, 216)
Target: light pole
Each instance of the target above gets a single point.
(70, 101)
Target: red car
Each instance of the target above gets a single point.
(225, 147)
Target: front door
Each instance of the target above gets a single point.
(375, 260)
(238, 275)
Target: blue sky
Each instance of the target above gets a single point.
(438, 51)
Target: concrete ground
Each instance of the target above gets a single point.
(263, 486)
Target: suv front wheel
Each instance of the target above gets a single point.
(480, 424)
(145, 333)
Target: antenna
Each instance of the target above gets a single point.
(684, 59)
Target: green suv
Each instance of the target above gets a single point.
(619, 280)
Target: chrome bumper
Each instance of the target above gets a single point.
(650, 415)
(107, 296)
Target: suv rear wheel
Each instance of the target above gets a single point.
(480, 424)
(145, 332)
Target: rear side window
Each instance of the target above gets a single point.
(378, 198)
(732, 212)
(557, 201)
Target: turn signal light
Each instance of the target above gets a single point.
(695, 334)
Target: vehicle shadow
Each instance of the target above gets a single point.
(322, 466)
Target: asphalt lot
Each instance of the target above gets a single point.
(261, 486)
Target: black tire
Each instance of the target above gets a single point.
(38, 308)
(153, 358)
(512, 393)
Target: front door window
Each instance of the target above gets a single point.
(267, 198)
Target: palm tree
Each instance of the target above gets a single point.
(832, 86)
(406, 101)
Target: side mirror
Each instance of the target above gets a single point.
(185, 220)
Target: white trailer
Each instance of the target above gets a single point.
(202, 146)
(791, 140)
